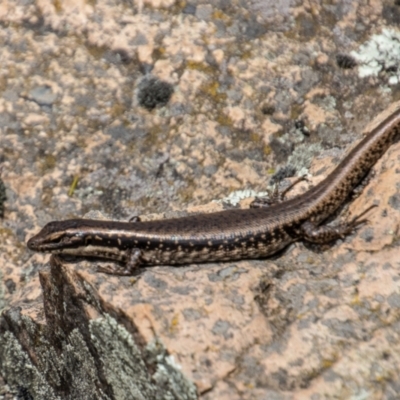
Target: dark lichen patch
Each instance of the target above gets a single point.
(394, 201)
(23, 393)
(189, 9)
(263, 293)
(345, 61)
(267, 109)
(153, 92)
(10, 285)
(282, 150)
(391, 13)
(306, 26)
(284, 172)
(253, 29)
(301, 127)
(111, 200)
(158, 53)
(121, 132)
(118, 56)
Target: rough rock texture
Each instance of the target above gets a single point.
(74, 348)
(154, 106)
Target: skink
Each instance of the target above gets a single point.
(225, 235)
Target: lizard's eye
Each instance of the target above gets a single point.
(58, 239)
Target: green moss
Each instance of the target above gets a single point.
(255, 137)
(5, 233)
(246, 55)
(47, 196)
(296, 111)
(47, 163)
(158, 53)
(3, 83)
(96, 51)
(186, 193)
(80, 111)
(218, 14)
(267, 150)
(211, 89)
(396, 93)
(57, 6)
(117, 110)
(224, 120)
(207, 69)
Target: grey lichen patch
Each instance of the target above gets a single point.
(284, 172)
(394, 201)
(303, 155)
(75, 365)
(17, 369)
(222, 328)
(78, 364)
(294, 149)
(172, 384)
(125, 366)
(73, 369)
(43, 95)
(155, 282)
(380, 54)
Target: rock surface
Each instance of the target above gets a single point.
(237, 92)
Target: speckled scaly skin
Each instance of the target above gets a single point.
(226, 235)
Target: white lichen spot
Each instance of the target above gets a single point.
(235, 197)
(171, 361)
(380, 53)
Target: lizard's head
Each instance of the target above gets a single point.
(56, 235)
